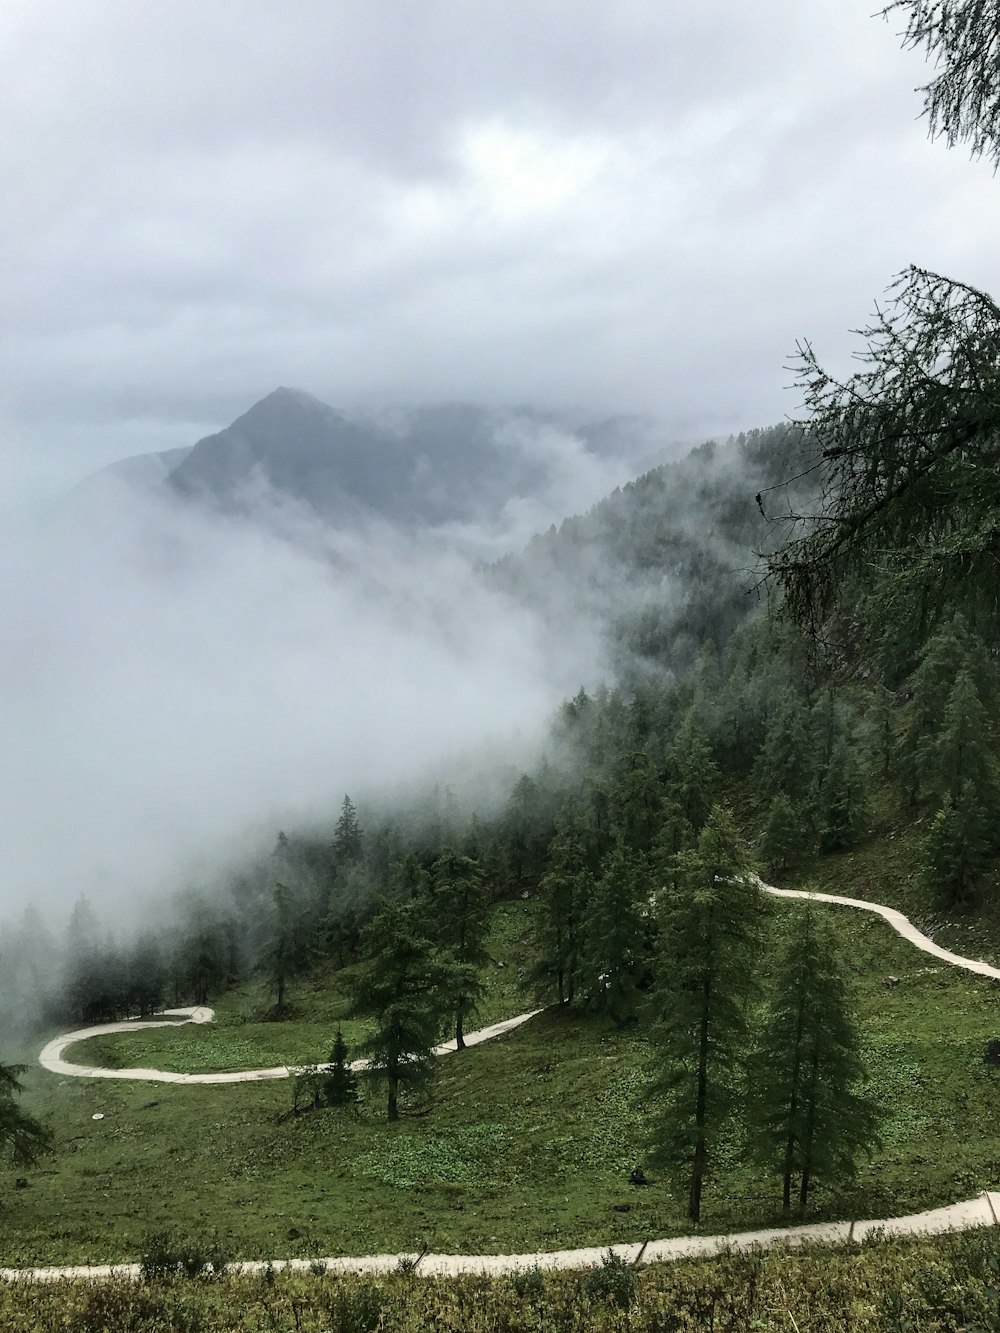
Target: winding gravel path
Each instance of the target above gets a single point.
(50, 1057)
(984, 1210)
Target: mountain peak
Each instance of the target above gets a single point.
(285, 401)
(284, 394)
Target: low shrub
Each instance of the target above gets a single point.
(165, 1257)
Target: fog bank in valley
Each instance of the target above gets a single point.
(176, 685)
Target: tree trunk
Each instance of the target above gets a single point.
(701, 1103)
(697, 1174)
(459, 1027)
(392, 1075)
(793, 1104)
(807, 1137)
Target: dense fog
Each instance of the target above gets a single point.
(176, 684)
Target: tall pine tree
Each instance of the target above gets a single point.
(616, 929)
(406, 987)
(811, 1120)
(565, 889)
(461, 918)
(710, 944)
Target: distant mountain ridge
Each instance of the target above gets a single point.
(433, 465)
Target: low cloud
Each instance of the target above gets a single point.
(176, 685)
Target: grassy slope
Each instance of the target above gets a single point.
(884, 870)
(529, 1143)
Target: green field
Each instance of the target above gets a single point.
(528, 1145)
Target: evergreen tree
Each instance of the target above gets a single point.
(278, 955)
(565, 889)
(30, 975)
(960, 752)
(147, 978)
(962, 100)
(406, 987)
(785, 765)
(956, 849)
(676, 835)
(524, 832)
(810, 1119)
(83, 979)
(693, 774)
(461, 919)
(410, 880)
(710, 944)
(636, 801)
(878, 734)
(202, 960)
(907, 451)
(928, 687)
(595, 823)
(785, 837)
(840, 805)
(340, 1086)
(347, 844)
(23, 1138)
(828, 726)
(615, 933)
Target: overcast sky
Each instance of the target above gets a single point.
(628, 207)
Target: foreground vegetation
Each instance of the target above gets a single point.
(946, 1285)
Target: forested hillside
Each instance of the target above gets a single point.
(667, 563)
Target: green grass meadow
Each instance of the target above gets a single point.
(528, 1144)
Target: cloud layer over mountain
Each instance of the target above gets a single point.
(635, 208)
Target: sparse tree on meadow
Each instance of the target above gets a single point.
(709, 952)
(406, 987)
(340, 1085)
(811, 1120)
(23, 1138)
